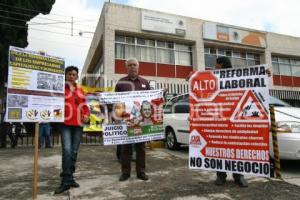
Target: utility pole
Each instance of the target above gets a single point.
(72, 26)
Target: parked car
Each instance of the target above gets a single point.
(176, 126)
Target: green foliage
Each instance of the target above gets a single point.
(14, 14)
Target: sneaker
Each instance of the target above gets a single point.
(241, 181)
(61, 189)
(74, 184)
(220, 180)
(124, 177)
(142, 176)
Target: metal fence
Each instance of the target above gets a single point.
(87, 138)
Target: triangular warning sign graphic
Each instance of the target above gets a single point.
(249, 109)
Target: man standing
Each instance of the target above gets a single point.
(225, 63)
(76, 113)
(132, 82)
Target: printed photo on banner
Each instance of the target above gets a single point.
(229, 121)
(133, 117)
(35, 88)
(98, 111)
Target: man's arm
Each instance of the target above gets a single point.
(117, 87)
(148, 85)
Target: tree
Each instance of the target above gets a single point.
(14, 15)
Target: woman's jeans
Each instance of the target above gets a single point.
(70, 138)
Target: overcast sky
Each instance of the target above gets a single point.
(52, 33)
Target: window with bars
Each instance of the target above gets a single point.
(149, 50)
(286, 66)
(238, 58)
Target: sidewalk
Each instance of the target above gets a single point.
(98, 172)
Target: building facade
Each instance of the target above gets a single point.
(169, 47)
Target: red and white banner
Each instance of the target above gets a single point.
(229, 123)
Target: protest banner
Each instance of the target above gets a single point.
(35, 91)
(229, 123)
(132, 117)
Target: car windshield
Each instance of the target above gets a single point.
(277, 102)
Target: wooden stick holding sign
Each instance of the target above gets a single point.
(35, 162)
(275, 143)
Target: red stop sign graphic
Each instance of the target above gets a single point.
(203, 85)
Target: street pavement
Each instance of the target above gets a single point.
(98, 172)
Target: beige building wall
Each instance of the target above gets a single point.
(117, 18)
(125, 19)
(282, 45)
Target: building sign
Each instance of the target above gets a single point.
(132, 117)
(35, 90)
(229, 121)
(224, 33)
(157, 22)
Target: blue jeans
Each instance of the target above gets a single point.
(44, 132)
(70, 138)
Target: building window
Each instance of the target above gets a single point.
(130, 40)
(210, 60)
(238, 59)
(285, 69)
(275, 68)
(183, 58)
(183, 55)
(129, 51)
(120, 38)
(221, 52)
(120, 51)
(206, 50)
(154, 51)
(286, 66)
(165, 56)
(296, 71)
(146, 54)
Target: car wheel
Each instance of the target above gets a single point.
(171, 139)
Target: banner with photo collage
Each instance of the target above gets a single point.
(35, 90)
(132, 117)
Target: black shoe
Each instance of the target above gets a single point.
(74, 184)
(61, 189)
(142, 176)
(241, 181)
(48, 147)
(220, 180)
(124, 177)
